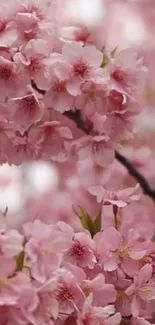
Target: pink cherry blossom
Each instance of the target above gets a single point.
(117, 249)
(51, 135)
(82, 251)
(92, 99)
(121, 116)
(11, 78)
(103, 293)
(65, 290)
(127, 72)
(99, 148)
(142, 290)
(43, 252)
(120, 198)
(35, 56)
(57, 95)
(85, 65)
(91, 314)
(26, 110)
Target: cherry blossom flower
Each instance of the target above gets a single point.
(82, 251)
(117, 249)
(142, 290)
(103, 293)
(99, 148)
(27, 110)
(94, 98)
(103, 315)
(11, 78)
(119, 198)
(35, 58)
(121, 116)
(57, 95)
(65, 290)
(43, 254)
(127, 72)
(52, 135)
(85, 65)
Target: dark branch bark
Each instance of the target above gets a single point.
(136, 175)
(76, 118)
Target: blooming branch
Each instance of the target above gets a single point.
(76, 118)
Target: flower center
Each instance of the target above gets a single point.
(81, 68)
(58, 86)
(118, 75)
(77, 250)
(29, 102)
(82, 35)
(34, 65)
(5, 73)
(145, 292)
(64, 294)
(34, 10)
(46, 251)
(123, 251)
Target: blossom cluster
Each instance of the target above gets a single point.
(48, 70)
(67, 99)
(52, 274)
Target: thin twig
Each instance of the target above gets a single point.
(76, 118)
(136, 175)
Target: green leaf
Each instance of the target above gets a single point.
(20, 261)
(97, 221)
(114, 51)
(93, 226)
(105, 61)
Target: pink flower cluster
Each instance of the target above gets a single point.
(55, 274)
(71, 74)
(51, 274)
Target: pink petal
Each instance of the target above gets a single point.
(73, 86)
(130, 267)
(110, 265)
(72, 51)
(63, 102)
(111, 238)
(93, 56)
(104, 156)
(118, 203)
(135, 306)
(65, 132)
(107, 294)
(97, 191)
(114, 320)
(145, 274)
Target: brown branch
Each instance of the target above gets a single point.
(136, 175)
(76, 118)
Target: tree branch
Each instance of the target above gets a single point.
(136, 175)
(76, 118)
